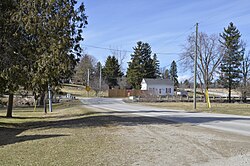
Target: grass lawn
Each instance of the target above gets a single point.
(67, 136)
(24, 115)
(74, 135)
(224, 108)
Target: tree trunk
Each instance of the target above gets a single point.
(42, 96)
(10, 105)
(35, 98)
(44, 104)
(244, 96)
(229, 94)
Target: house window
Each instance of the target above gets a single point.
(169, 90)
(166, 90)
(159, 91)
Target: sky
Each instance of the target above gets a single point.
(164, 24)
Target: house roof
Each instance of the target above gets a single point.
(158, 81)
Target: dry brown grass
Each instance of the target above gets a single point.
(79, 90)
(224, 108)
(29, 114)
(74, 135)
(63, 137)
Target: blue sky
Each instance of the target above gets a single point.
(164, 24)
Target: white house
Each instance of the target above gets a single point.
(161, 87)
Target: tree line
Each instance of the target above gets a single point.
(222, 59)
(143, 64)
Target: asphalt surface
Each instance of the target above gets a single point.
(229, 123)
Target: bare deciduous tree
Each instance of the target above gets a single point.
(86, 62)
(95, 86)
(95, 83)
(121, 56)
(245, 72)
(208, 58)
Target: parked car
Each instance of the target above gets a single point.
(182, 93)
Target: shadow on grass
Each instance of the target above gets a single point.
(10, 136)
(100, 119)
(49, 117)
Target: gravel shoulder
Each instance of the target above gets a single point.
(157, 142)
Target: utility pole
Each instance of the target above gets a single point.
(88, 78)
(50, 98)
(100, 79)
(88, 82)
(195, 65)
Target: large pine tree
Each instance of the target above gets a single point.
(147, 64)
(135, 72)
(232, 59)
(156, 65)
(142, 65)
(173, 74)
(112, 71)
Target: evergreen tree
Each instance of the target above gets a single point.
(141, 65)
(111, 71)
(41, 43)
(98, 68)
(135, 71)
(186, 83)
(173, 74)
(13, 57)
(148, 68)
(232, 59)
(156, 65)
(166, 74)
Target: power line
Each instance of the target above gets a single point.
(111, 49)
(163, 53)
(179, 60)
(182, 34)
(159, 53)
(104, 48)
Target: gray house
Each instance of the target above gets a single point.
(161, 87)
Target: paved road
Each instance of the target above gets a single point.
(230, 123)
